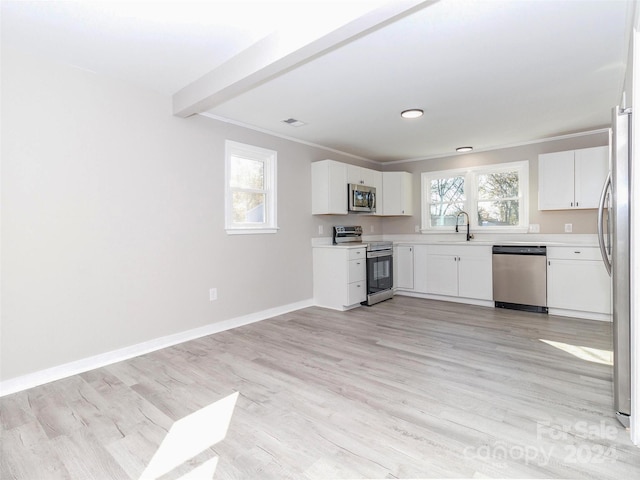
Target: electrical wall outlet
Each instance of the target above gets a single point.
(371, 228)
(213, 294)
(534, 228)
(417, 228)
(320, 229)
(568, 227)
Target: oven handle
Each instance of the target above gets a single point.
(380, 253)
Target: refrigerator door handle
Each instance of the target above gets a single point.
(601, 232)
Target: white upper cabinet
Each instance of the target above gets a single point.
(572, 179)
(398, 193)
(592, 167)
(329, 188)
(329, 185)
(364, 176)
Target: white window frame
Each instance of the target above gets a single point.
(471, 196)
(269, 158)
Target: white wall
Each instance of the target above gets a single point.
(113, 227)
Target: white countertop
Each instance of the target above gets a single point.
(552, 240)
(507, 242)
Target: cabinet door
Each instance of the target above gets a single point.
(373, 178)
(475, 277)
(404, 262)
(420, 268)
(591, 168)
(442, 274)
(397, 199)
(328, 188)
(578, 285)
(356, 174)
(407, 193)
(555, 181)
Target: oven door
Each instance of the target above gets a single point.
(379, 271)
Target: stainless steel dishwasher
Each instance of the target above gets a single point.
(520, 277)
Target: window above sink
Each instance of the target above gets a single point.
(495, 196)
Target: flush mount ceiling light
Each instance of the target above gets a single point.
(463, 149)
(412, 113)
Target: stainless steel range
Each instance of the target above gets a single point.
(379, 262)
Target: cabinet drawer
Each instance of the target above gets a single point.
(573, 253)
(357, 292)
(356, 253)
(357, 270)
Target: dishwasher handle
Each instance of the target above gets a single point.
(519, 250)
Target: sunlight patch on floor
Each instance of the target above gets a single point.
(589, 354)
(189, 437)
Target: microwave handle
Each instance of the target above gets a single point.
(372, 200)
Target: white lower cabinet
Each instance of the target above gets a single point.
(410, 268)
(339, 276)
(403, 271)
(442, 274)
(456, 271)
(577, 283)
(460, 271)
(475, 274)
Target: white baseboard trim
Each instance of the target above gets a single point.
(429, 296)
(41, 377)
(562, 312)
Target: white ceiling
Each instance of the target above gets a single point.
(487, 73)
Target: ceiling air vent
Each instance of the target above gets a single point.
(293, 122)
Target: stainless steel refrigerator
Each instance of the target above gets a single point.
(614, 237)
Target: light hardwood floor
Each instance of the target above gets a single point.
(409, 388)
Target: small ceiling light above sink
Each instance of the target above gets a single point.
(412, 113)
(463, 149)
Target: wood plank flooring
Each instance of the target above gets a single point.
(409, 388)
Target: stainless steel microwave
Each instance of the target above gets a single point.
(362, 198)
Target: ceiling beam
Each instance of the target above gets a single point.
(277, 54)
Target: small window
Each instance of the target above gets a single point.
(250, 189)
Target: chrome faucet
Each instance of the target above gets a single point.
(469, 234)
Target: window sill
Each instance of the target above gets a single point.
(476, 230)
(250, 231)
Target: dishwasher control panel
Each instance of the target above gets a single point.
(519, 250)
